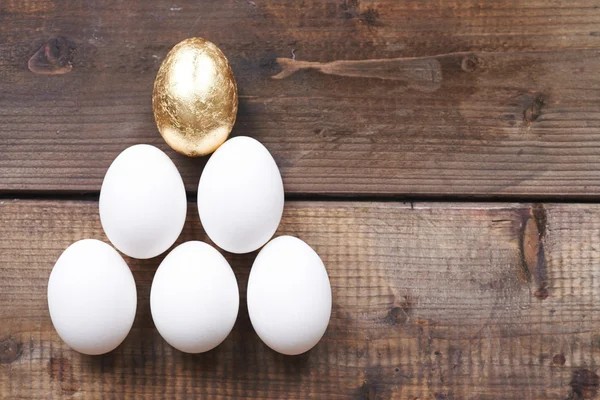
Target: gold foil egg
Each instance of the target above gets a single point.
(195, 98)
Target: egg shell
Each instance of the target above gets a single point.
(194, 298)
(195, 97)
(143, 203)
(91, 297)
(289, 296)
(240, 196)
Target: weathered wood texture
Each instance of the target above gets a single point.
(431, 301)
(413, 97)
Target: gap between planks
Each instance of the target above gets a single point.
(316, 197)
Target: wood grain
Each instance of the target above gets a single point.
(415, 97)
(431, 301)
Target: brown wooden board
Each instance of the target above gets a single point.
(430, 301)
(413, 97)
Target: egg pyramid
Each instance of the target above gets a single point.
(194, 298)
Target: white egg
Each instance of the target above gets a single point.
(142, 202)
(91, 297)
(194, 298)
(289, 296)
(240, 196)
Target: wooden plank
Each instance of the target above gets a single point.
(431, 301)
(419, 97)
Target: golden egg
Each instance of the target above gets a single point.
(195, 98)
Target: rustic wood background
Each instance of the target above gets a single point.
(485, 113)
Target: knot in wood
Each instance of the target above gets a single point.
(10, 350)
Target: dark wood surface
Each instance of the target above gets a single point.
(357, 100)
(395, 97)
(431, 301)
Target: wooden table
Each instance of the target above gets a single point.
(443, 158)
